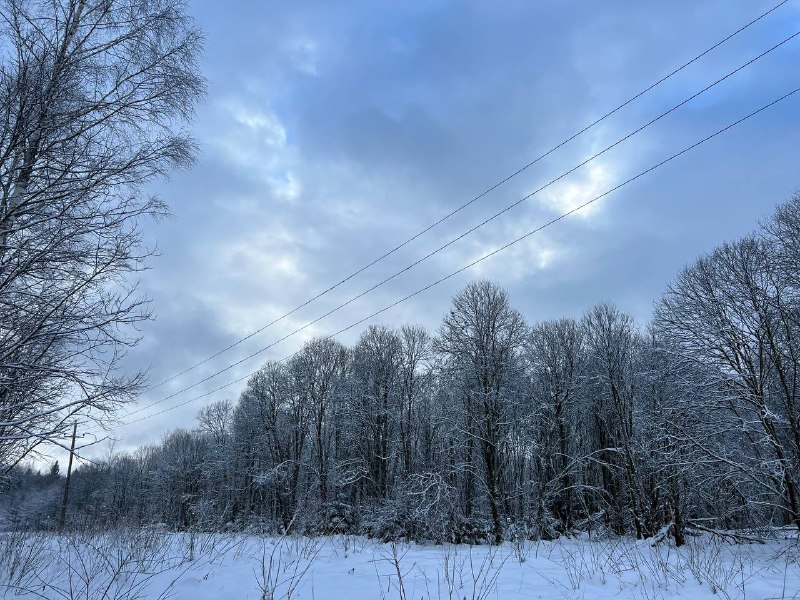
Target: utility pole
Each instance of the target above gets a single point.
(63, 518)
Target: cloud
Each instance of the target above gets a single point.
(266, 126)
(525, 259)
(334, 132)
(583, 187)
(254, 140)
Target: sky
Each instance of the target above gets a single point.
(333, 131)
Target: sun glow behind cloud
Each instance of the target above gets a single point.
(347, 131)
(582, 187)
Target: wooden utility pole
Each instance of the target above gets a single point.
(63, 518)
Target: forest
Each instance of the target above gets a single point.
(488, 454)
(496, 428)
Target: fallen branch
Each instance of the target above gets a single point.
(733, 537)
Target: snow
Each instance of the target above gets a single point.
(155, 564)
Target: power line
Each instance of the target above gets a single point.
(472, 229)
(473, 200)
(501, 248)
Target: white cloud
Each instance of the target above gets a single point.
(267, 126)
(286, 188)
(580, 188)
(254, 139)
(282, 212)
(524, 259)
(259, 255)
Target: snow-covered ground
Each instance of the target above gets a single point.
(153, 564)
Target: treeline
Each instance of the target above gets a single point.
(492, 427)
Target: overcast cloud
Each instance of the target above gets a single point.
(334, 130)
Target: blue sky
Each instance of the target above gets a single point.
(334, 130)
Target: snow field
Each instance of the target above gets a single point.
(152, 564)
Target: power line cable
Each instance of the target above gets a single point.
(473, 200)
(497, 250)
(470, 230)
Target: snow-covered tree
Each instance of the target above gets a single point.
(92, 97)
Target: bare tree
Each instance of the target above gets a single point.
(272, 432)
(416, 348)
(782, 232)
(483, 332)
(613, 346)
(215, 423)
(376, 369)
(555, 357)
(318, 371)
(92, 97)
(733, 313)
(215, 420)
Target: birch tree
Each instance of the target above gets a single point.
(93, 95)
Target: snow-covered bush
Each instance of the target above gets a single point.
(422, 510)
